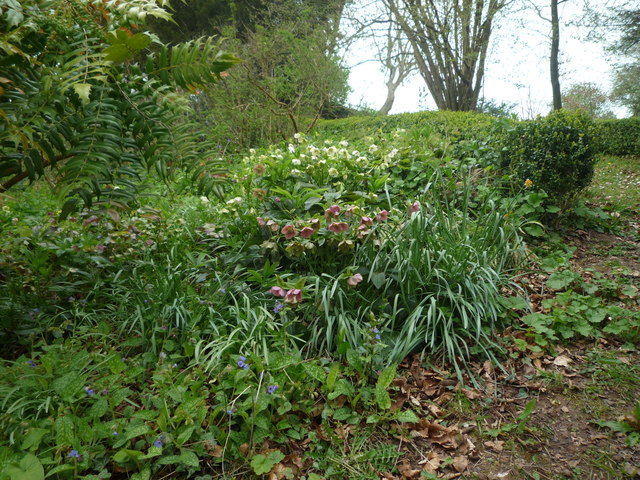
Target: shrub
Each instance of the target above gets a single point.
(556, 153)
(619, 136)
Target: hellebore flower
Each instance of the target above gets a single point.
(289, 231)
(315, 224)
(414, 208)
(366, 221)
(307, 232)
(382, 216)
(278, 291)
(293, 296)
(332, 211)
(273, 226)
(354, 280)
(259, 169)
(261, 221)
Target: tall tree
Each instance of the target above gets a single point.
(626, 78)
(553, 58)
(449, 39)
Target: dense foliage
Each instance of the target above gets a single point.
(556, 154)
(75, 98)
(619, 136)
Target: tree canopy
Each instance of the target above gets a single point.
(76, 97)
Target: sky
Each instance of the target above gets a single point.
(517, 69)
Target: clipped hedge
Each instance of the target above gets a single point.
(556, 153)
(455, 125)
(619, 136)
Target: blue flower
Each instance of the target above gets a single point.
(74, 454)
(115, 432)
(242, 362)
(89, 391)
(279, 306)
(31, 363)
(229, 411)
(158, 443)
(375, 330)
(378, 336)
(223, 290)
(271, 389)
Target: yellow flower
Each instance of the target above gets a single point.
(528, 183)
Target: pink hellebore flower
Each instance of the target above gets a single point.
(350, 210)
(273, 226)
(293, 296)
(261, 221)
(382, 216)
(338, 227)
(332, 211)
(354, 280)
(366, 221)
(414, 208)
(306, 232)
(289, 231)
(278, 291)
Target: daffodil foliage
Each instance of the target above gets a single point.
(88, 94)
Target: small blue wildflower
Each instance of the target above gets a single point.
(163, 355)
(104, 391)
(229, 411)
(375, 330)
(241, 361)
(378, 336)
(124, 359)
(245, 366)
(71, 299)
(31, 363)
(158, 443)
(74, 454)
(279, 306)
(115, 432)
(201, 301)
(223, 290)
(89, 391)
(83, 301)
(271, 389)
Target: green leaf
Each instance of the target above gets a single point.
(60, 468)
(63, 427)
(190, 459)
(334, 371)
(124, 46)
(29, 468)
(534, 230)
(116, 364)
(136, 431)
(262, 464)
(33, 438)
(83, 90)
(378, 279)
(560, 280)
(68, 385)
(99, 408)
(355, 361)
(342, 387)
(144, 474)
(407, 416)
(315, 371)
(384, 380)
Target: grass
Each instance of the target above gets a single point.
(616, 183)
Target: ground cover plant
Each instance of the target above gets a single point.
(394, 304)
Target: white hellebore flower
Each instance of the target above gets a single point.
(292, 148)
(296, 161)
(333, 172)
(235, 201)
(373, 148)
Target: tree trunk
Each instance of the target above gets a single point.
(555, 47)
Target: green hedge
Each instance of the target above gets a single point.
(456, 125)
(555, 152)
(619, 136)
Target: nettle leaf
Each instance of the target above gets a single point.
(262, 464)
(190, 459)
(342, 387)
(384, 380)
(29, 468)
(560, 280)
